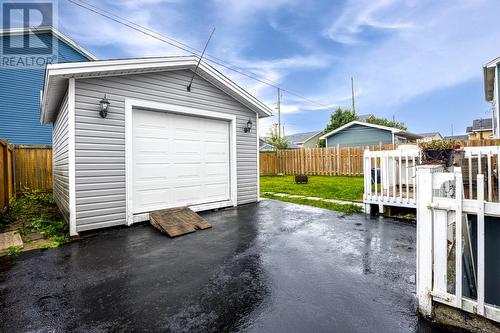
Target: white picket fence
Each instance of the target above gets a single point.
(443, 200)
(389, 177)
(442, 219)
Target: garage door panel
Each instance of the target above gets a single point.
(153, 144)
(152, 172)
(178, 160)
(187, 146)
(186, 195)
(186, 170)
(151, 199)
(216, 190)
(216, 169)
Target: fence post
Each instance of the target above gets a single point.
(424, 238)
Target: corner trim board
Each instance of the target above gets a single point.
(258, 156)
(71, 157)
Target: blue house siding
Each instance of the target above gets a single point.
(20, 99)
(359, 135)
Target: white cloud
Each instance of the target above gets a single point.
(368, 14)
(447, 48)
(419, 46)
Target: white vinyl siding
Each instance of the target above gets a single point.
(100, 143)
(60, 164)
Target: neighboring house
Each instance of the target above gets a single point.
(462, 137)
(262, 142)
(480, 129)
(358, 133)
(20, 87)
(267, 147)
(365, 117)
(264, 146)
(432, 136)
(304, 140)
(492, 92)
(159, 146)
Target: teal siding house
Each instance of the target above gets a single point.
(21, 83)
(359, 133)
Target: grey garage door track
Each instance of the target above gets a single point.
(267, 267)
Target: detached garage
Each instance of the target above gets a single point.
(130, 137)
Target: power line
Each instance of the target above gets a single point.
(173, 42)
(199, 60)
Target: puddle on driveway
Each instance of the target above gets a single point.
(268, 267)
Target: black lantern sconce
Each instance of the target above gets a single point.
(104, 106)
(248, 127)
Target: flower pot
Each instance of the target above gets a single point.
(437, 156)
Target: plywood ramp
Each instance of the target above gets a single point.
(177, 221)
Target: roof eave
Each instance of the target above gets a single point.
(82, 69)
(57, 33)
(354, 122)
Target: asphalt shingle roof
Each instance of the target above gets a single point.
(301, 137)
(430, 134)
(480, 125)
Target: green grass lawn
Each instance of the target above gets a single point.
(327, 187)
(344, 208)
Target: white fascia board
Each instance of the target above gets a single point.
(123, 67)
(55, 32)
(357, 122)
(492, 63)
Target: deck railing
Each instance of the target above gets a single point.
(447, 222)
(389, 177)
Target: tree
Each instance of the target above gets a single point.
(385, 122)
(275, 140)
(338, 118)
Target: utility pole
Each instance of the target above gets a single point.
(451, 129)
(352, 93)
(279, 112)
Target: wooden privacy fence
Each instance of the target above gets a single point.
(33, 168)
(6, 174)
(336, 161)
(24, 168)
(314, 161)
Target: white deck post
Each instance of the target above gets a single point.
(424, 237)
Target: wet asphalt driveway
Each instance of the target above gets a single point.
(268, 267)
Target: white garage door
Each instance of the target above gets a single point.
(178, 160)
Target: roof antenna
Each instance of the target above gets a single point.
(199, 60)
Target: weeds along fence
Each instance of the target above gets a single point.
(334, 161)
(24, 169)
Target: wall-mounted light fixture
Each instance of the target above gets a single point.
(248, 127)
(104, 106)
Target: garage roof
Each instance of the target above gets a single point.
(57, 75)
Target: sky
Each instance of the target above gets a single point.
(419, 61)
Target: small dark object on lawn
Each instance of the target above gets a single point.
(301, 179)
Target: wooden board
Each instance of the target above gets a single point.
(10, 239)
(177, 221)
